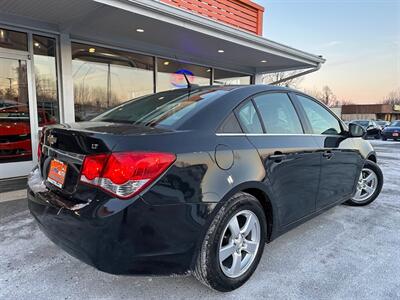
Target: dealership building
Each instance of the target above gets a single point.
(69, 60)
(385, 112)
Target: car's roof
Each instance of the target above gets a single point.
(265, 87)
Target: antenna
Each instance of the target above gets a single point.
(189, 85)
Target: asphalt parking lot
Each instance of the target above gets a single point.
(346, 253)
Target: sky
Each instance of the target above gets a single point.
(360, 39)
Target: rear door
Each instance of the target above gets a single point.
(340, 162)
(290, 158)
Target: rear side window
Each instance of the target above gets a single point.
(248, 118)
(278, 114)
(230, 125)
(321, 120)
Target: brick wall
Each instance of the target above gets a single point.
(242, 14)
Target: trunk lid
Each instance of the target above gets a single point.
(70, 143)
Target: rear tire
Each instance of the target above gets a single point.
(227, 260)
(369, 185)
(384, 139)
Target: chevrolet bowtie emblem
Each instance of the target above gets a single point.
(51, 139)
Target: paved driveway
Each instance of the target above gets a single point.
(346, 253)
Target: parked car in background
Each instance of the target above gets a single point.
(392, 131)
(196, 180)
(15, 132)
(7, 103)
(372, 129)
(382, 123)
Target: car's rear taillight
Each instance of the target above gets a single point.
(124, 174)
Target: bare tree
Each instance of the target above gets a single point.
(393, 97)
(346, 102)
(327, 97)
(273, 77)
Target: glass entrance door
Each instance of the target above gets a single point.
(16, 137)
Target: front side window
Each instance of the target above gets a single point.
(278, 114)
(248, 118)
(321, 120)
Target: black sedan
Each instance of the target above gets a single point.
(196, 180)
(392, 131)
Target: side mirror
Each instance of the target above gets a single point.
(356, 130)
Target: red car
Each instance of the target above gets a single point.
(15, 132)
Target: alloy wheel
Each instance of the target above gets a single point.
(239, 243)
(366, 186)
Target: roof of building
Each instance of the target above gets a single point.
(168, 32)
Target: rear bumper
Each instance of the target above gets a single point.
(137, 239)
(389, 135)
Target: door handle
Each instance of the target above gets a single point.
(328, 154)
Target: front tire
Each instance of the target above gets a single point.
(233, 245)
(369, 185)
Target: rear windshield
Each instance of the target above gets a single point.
(362, 123)
(395, 124)
(163, 109)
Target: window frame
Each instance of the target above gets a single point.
(236, 113)
(221, 125)
(307, 124)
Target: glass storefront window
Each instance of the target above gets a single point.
(15, 130)
(13, 40)
(170, 74)
(222, 77)
(44, 50)
(104, 78)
